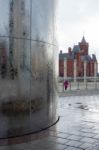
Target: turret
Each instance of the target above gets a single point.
(84, 46)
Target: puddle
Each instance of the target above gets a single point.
(78, 103)
(85, 107)
(69, 104)
(81, 106)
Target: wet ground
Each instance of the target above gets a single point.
(77, 129)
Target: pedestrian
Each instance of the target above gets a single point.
(65, 84)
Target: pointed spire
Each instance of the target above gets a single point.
(83, 40)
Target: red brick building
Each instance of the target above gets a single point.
(77, 61)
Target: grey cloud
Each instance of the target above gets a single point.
(76, 11)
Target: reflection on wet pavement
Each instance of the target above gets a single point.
(77, 129)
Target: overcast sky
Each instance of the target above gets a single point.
(75, 18)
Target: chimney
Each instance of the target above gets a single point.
(69, 50)
(60, 51)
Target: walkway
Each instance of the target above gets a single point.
(77, 129)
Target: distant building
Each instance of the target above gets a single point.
(77, 62)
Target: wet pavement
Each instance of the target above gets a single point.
(77, 129)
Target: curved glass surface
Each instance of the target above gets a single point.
(28, 66)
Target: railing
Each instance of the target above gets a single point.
(88, 83)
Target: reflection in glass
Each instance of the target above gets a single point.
(28, 66)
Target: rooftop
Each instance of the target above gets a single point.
(83, 40)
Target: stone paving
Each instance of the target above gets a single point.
(77, 129)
